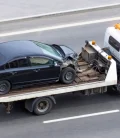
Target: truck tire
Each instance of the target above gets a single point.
(43, 106)
(68, 75)
(4, 87)
(117, 89)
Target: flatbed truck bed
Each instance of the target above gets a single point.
(88, 81)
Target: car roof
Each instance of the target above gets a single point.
(15, 49)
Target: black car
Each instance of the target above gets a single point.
(30, 62)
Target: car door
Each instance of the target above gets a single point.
(44, 69)
(18, 71)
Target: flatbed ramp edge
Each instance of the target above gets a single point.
(111, 79)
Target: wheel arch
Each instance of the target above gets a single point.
(70, 65)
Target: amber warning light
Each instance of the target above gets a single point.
(93, 42)
(117, 26)
(109, 57)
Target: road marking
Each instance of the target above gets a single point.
(81, 116)
(59, 27)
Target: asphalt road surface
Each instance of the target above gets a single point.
(20, 123)
(74, 37)
(13, 8)
(61, 19)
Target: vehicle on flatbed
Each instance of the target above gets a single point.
(23, 63)
(96, 71)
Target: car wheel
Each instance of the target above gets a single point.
(4, 87)
(43, 106)
(67, 75)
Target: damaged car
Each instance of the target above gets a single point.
(30, 62)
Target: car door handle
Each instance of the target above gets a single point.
(36, 70)
(14, 72)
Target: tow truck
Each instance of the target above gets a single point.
(98, 69)
(112, 47)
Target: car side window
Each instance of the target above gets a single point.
(23, 62)
(39, 61)
(13, 64)
(7, 66)
(17, 63)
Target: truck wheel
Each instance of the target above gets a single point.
(4, 87)
(67, 75)
(117, 89)
(113, 90)
(43, 106)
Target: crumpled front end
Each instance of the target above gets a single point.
(71, 63)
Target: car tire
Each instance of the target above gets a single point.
(68, 75)
(4, 87)
(42, 106)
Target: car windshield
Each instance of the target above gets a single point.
(67, 50)
(48, 49)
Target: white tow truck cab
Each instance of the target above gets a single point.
(96, 71)
(112, 47)
(112, 40)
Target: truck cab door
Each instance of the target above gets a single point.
(114, 47)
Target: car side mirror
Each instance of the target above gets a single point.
(55, 63)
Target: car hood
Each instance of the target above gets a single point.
(65, 51)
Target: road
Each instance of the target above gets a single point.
(72, 36)
(63, 29)
(13, 8)
(20, 123)
(59, 19)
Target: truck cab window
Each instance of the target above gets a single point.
(114, 43)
